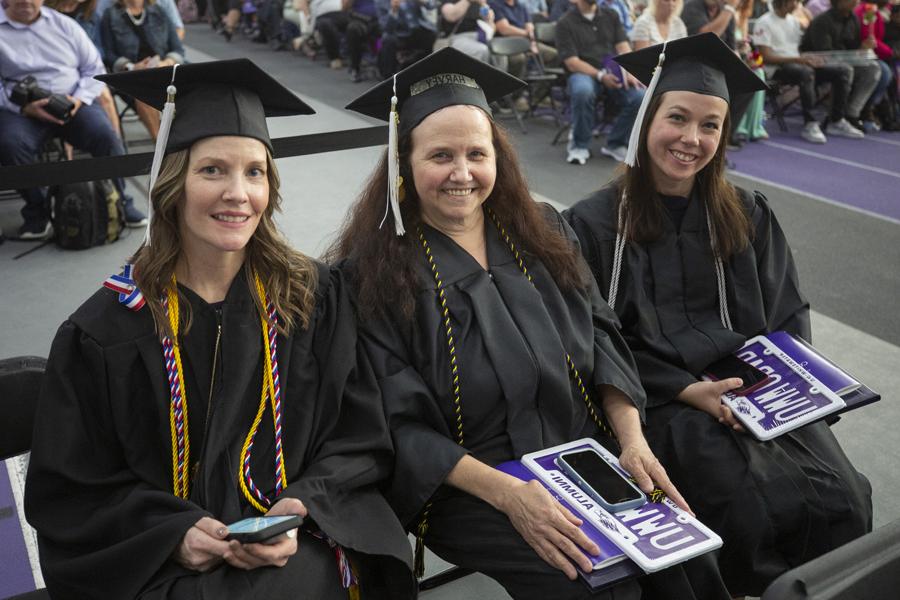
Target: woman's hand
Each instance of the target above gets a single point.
(271, 553)
(203, 546)
(638, 459)
(707, 396)
(548, 527)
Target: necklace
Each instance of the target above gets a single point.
(139, 20)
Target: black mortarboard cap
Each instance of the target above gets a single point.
(224, 97)
(446, 78)
(700, 63)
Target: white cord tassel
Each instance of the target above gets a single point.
(720, 276)
(393, 199)
(631, 155)
(617, 257)
(165, 125)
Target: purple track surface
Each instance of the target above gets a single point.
(864, 174)
(15, 570)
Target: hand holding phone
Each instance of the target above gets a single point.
(732, 366)
(261, 529)
(600, 480)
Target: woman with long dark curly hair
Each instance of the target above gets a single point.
(693, 267)
(217, 379)
(488, 338)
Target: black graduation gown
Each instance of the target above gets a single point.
(99, 487)
(511, 337)
(776, 504)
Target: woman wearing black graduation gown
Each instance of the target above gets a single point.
(647, 240)
(145, 449)
(468, 319)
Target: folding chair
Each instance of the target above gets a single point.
(506, 47)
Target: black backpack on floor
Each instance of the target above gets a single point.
(87, 214)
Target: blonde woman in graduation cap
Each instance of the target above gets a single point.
(693, 267)
(214, 380)
(489, 340)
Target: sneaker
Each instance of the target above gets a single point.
(355, 76)
(812, 133)
(578, 156)
(571, 143)
(521, 104)
(133, 216)
(39, 230)
(871, 127)
(336, 64)
(844, 128)
(617, 153)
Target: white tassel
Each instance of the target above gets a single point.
(724, 315)
(393, 198)
(618, 250)
(631, 155)
(165, 125)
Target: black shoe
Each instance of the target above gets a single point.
(226, 33)
(734, 143)
(856, 122)
(37, 230)
(355, 76)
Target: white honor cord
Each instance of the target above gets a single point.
(165, 125)
(635, 138)
(720, 275)
(617, 255)
(393, 195)
(619, 250)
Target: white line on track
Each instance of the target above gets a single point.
(841, 161)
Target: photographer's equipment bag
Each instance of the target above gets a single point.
(87, 214)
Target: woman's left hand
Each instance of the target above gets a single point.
(271, 553)
(642, 464)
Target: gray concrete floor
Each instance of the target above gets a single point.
(849, 263)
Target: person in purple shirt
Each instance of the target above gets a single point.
(57, 52)
(407, 35)
(363, 29)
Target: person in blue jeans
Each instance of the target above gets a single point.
(57, 52)
(587, 38)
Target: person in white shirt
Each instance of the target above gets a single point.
(777, 36)
(660, 22)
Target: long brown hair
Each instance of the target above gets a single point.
(644, 212)
(385, 263)
(85, 9)
(288, 276)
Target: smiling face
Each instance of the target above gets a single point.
(226, 192)
(453, 166)
(683, 137)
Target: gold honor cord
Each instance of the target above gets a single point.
(178, 412)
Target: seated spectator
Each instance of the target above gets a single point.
(460, 27)
(85, 14)
(137, 35)
(330, 21)
(39, 42)
(167, 6)
(752, 124)
(872, 32)
(513, 19)
(839, 29)
(362, 31)
(892, 32)
(777, 35)
(405, 29)
(587, 39)
(700, 16)
(659, 23)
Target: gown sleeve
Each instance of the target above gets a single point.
(786, 308)
(425, 450)
(350, 451)
(614, 363)
(95, 517)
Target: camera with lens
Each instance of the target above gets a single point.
(27, 90)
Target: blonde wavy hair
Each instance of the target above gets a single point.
(676, 12)
(289, 277)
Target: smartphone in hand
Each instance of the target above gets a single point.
(732, 366)
(260, 529)
(600, 480)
